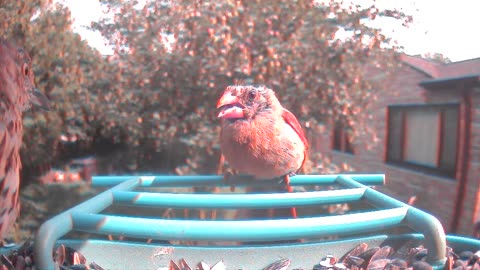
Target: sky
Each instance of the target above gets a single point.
(442, 26)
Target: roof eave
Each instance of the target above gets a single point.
(467, 81)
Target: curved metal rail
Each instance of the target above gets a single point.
(388, 213)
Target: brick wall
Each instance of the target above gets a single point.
(434, 194)
(472, 204)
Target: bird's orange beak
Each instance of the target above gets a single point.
(230, 107)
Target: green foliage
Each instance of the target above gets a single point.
(437, 57)
(66, 69)
(172, 60)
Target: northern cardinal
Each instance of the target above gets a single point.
(259, 137)
(17, 93)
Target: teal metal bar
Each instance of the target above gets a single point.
(218, 180)
(416, 219)
(251, 230)
(273, 200)
(351, 188)
(58, 226)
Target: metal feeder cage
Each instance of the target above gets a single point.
(334, 234)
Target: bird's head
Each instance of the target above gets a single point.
(246, 102)
(17, 87)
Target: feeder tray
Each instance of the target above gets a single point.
(340, 232)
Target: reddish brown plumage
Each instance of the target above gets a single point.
(293, 122)
(259, 137)
(17, 92)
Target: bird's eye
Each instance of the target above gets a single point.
(252, 94)
(26, 70)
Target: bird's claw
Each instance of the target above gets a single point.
(231, 179)
(227, 177)
(285, 180)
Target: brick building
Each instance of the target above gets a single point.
(427, 120)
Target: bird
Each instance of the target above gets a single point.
(259, 137)
(17, 94)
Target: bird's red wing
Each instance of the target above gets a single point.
(293, 122)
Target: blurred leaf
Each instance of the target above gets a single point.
(172, 60)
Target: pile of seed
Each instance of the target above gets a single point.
(19, 258)
(361, 257)
(364, 258)
(65, 258)
(378, 258)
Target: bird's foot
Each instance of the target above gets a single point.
(285, 180)
(233, 179)
(290, 190)
(227, 178)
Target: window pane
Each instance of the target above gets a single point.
(450, 133)
(341, 141)
(422, 137)
(337, 138)
(348, 145)
(395, 130)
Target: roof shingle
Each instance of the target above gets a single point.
(443, 71)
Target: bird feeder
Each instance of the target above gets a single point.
(303, 241)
